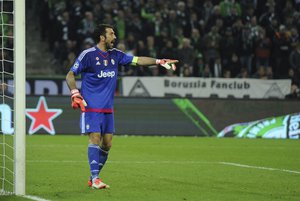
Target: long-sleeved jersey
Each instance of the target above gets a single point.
(99, 72)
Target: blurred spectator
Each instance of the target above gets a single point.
(148, 10)
(234, 65)
(230, 7)
(186, 55)
(76, 11)
(179, 37)
(269, 18)
(295, 86)
(198, 66)
(65, 28)
(124, 70)
(294, 59)
(228, 47)
(260, 73)
(141, 48)
(159, 24)
(187, 71)
(254, 27)
(87, 25)
(297, 4)
(294, 36)
(151, 48)
(243, 73)
(229, 32)
(182, 17)
(168, 51)
(173, 24)
(213, 17)
(269, 72)
(207, 10)
(186, 52)
(194, 25)
(68, 62)
(97, 10)
(288, 9)
(196, 41)
(226, 73)
(206, 71)
(263, 47)
(282, 50)
(217, 68)
(245, 48)
(67, 48)
(135, 26)
(294, 78)
(44, 18)
(211, 47)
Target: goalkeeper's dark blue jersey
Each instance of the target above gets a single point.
(99, 72)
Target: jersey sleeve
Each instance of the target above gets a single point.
(80, 63)
(124, 59)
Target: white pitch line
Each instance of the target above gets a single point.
(174, 162)
(259, 167)
(31, 197)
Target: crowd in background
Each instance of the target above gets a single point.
(227, 38)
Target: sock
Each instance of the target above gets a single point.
(93, 156)
(102, 158)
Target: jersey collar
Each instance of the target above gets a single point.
(102, 53)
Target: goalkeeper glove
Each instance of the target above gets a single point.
(77, 100)
(167, 63)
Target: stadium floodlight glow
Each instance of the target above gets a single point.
(12, 97)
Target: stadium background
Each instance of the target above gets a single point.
(186, 30)
(186, 168)
(144, 116)
(255, 39)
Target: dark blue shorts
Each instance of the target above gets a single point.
(97, 122)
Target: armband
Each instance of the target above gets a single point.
(134, 61)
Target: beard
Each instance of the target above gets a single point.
(110, 45)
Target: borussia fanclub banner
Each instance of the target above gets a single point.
(287, 126)
(204, 87)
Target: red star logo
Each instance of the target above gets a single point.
(42, 117)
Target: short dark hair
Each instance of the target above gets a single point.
(100, 30)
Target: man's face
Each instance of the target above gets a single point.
(110, 38)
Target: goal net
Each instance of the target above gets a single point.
(12, 97)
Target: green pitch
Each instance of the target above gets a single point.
(165, 169)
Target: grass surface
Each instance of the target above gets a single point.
(165, 169)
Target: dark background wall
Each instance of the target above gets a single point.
(223, 112)
(149, 116)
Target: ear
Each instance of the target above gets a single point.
(102, 37)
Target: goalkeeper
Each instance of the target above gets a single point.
(98, 67)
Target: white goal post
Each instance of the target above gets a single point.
(12, 97)
(20, 95)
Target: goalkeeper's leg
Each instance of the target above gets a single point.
(94, 154)
(105, 141)
(97, 158)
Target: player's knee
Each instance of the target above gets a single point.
(94, 139)
(106, 146)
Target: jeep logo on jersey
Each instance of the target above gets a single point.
(104, 74)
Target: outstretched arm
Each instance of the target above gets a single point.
(146, 61)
